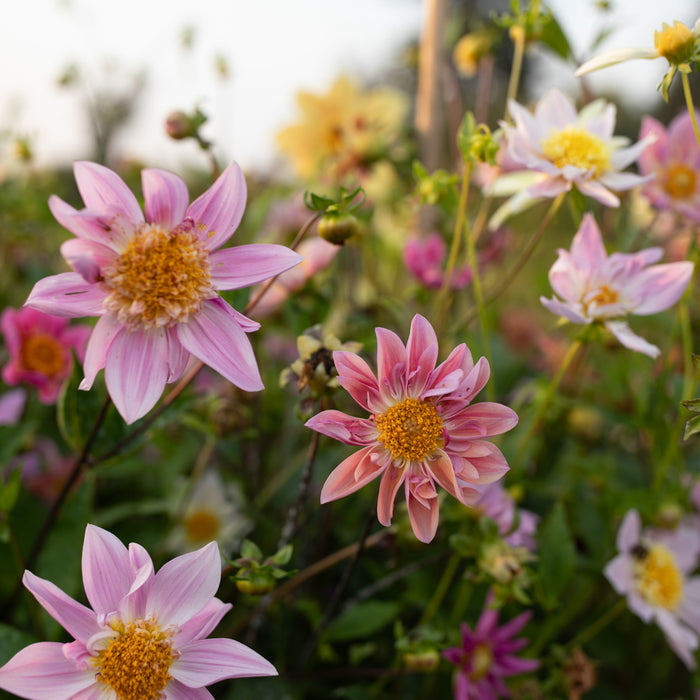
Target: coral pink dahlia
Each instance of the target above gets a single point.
(421, 430)
(154, 281)
(143, 639)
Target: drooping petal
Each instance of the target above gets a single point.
(610, 58)
(42, 672)
(351, 474)
(184, 586)
(66, 294)
(202, 624)
(220, 209)
(216, 338)
(246, 265)
(207, 661)
(443, 472)
(165, 197)
(96, 352)
(87, 258)
(631, 340)
(347, 429)
(102, 189)
(392, 478)
(424, 516)
(561, 308)
(136, 370)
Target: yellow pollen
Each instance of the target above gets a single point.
(42, 353)
(202, 526)
(481, 658)
(410, 430)
(599, 297)
(679, 181)
(575, 146)
(676, 44)
(160, 279)
(136, 664)
(658, 578)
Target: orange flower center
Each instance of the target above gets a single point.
(42, 353)
(603, 296)
(160, 279)
(136, 664)
(680, 181)
(575, 146)
(676, 44)
(658, 578)
(481, 658)
(202, 526)
(410, 430)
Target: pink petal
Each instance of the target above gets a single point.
(484, 420)
(102, 189)
(136, 370)
(184, 586)
(245, 265)
(99, 691)
(42, 672)
(165, 198)
(594, 189)
(560, 308)
(659, 286)
(424, 519)
(11, 406)
(177, 691)
(87, 258)
(220, 209)
(347, 429)
(207, 661)
(133, 604)
(631, 340)
(96, 352)
(390, 352)
(587, 249)
(202, 624)
(107, 573)
(216, 338)
(351, 474)
(443, 472)
(80, 622)
(421, 350)
(630, 531)
(389, 486)
(178, 357)
(355, 376)
(67, 295)
(79, 223)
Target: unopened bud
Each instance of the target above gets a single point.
(177, 126)
(337, 228)
(423, 661)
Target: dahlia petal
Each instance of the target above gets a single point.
(207, 661)
(216, 338)
(631, 340)
(424, 518)
(178, 357)
(347, 429)
(66, 294)
(610, 58)
(355, 376)
(343, 480)
(99, 691)
(42, 672)
(96, 351)
(659, 287)
(184, 586)
(390, 352)
(136, 370)
(165, 197)
(178, 691)
(651, 158)
(484, 419)
(391, 481)
(421, 346)
(79, 621)
(596, 190)
(107, 572)
(474, 380)
(87, 258)
(133, 605)
(561, 308)
(680, 638)
(80, 223)
(587, 249)
(556, 109)
(220, 209)
(443, 472)
(102, 189)
(246, 265)
(202, 624)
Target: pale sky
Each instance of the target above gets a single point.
(273, 49)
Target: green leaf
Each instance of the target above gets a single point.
(250, 550)
(283, 556)
(693, 405)
(553, 36)
(692, 427)
(11, 641)
(557, 556)
(362, 620)
(10, 490)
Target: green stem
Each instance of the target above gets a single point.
(441, 591)
(690, 105)
(600, 624)
(518, 36)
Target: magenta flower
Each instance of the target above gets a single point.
(425, 259)
(674, 160)
(487, 656)
(11, 406)
(652, 570)
(599, 288)
(40, 350)
(154, 281)
(143, 639)
(422, 430)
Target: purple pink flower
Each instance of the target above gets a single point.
(652, 570)
(422, 430)
(488, 655)
(674, 160)
(40, 348)
(425, 258)
(144, 636)
(595, 287)
(154, 281)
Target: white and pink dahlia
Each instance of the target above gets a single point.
(422, 430)
(154, 281)
(144, 637)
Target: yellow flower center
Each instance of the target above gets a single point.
(136, 664)
(680, 181)
(160, 279)
(575, 146)
(481, 658)
(42, 353)
(410, 430)
(676, 44)
(599, 297)
(202, 526)
(658, 578)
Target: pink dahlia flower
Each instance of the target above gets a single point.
(145, 636)
(595, 287)
(421, 431)
(40, 350)
(559, 147)
(674, 160)
(652, 570)
(154, 281)
(487, 656)
(425, 258)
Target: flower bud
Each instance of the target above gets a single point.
(423, 661)
(337, 228)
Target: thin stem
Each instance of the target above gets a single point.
(518, 36)
(690, 105)
(600, 624)
(441, 590)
